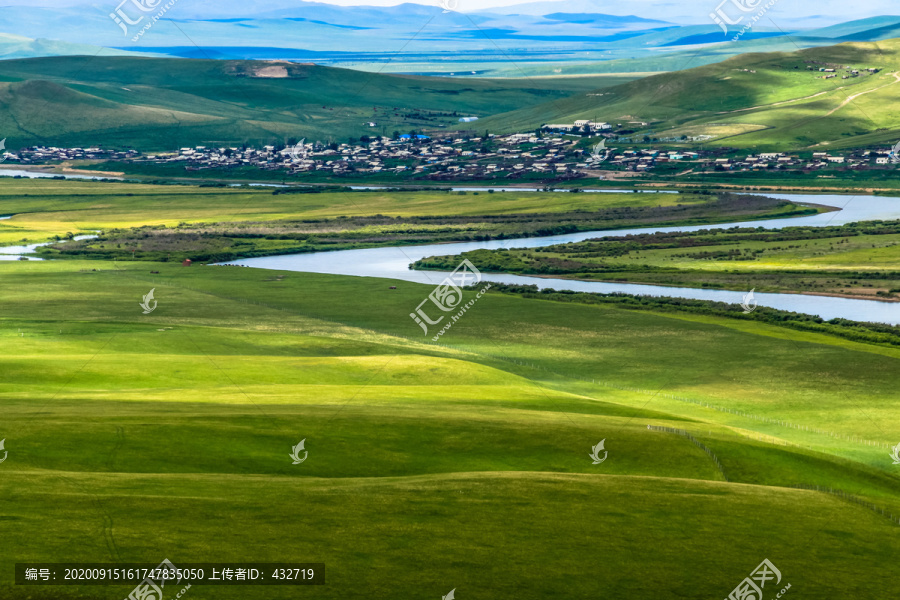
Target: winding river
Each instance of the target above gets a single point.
(393, 263)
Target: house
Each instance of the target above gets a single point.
(559, 127)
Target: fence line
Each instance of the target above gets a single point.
(696, 442)
(850, 498)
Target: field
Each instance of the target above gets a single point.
(45, 209)
(461, 465)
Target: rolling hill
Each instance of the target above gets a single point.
(775, 100)
(163, 104)
(431, 466)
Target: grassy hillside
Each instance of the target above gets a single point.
(430, 467)
(755, 101)
(462, 465)
(164, 104)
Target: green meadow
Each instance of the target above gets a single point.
(431, 467)
(463, 464)
(43, 209)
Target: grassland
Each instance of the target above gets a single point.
(165, 104)
(431, 467)
(45, 209)
(756, 101)
(855, 260)
(225, 241)
(133, 437)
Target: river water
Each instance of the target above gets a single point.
(15, 252)
(43, 175)
(393, 263)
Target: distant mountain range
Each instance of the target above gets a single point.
(531, 39)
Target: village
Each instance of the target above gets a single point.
(541, 155)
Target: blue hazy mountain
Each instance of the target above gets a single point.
(539, 37)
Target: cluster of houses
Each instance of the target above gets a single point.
(831, 71)
(638, 160)
(861, 159)
(515, 156)
(41, 154)
(583, 126)
(453, 158)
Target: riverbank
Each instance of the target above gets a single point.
(393, 263)
(856, 260)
